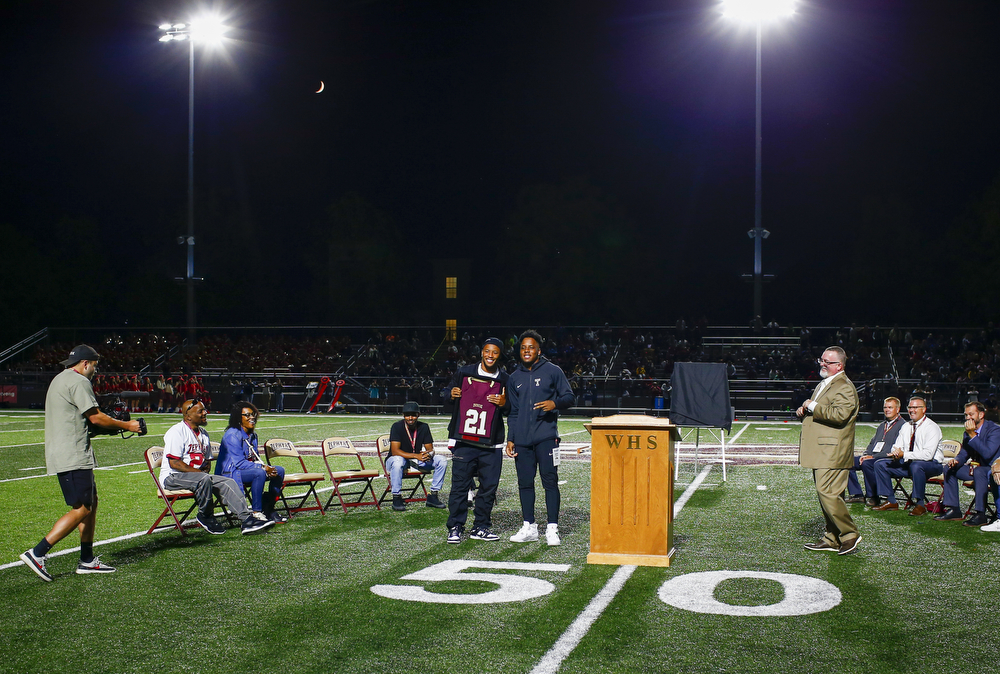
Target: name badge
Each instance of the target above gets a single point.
(878, 448)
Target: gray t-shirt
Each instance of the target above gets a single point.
(67, 446)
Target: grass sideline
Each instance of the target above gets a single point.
(919, 595)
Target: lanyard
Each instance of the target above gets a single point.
(888, 426)
(413, 439)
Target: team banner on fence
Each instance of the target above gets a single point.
(8, 394)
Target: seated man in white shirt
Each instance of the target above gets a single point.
(185, 448)
(915, 455)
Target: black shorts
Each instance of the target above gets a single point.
(78, 487)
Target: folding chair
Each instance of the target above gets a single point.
(950, 449)
(278, 448)
(154, 457)
(334, 448)
(410, 474)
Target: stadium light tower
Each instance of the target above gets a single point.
(757, 13)
(208, 30)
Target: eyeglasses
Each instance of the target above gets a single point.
(251, 415)
(827, 362)
(915, 407)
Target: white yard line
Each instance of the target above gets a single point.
(551, 661)
(733, 439)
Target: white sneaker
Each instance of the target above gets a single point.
(552, 534)
(995, 527)
(528, 532)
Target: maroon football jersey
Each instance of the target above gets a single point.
(475, 412)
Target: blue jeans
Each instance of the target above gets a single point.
(256, 477)
(396, 465)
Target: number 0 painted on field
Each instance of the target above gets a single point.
(512, 587)
(803, 595)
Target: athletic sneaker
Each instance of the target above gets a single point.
(211, 525)
(252, 525)
(35, 564)
(455, 535)
(277, 517)
(483, 534)
(94, 566)
(989, 527)
(552, 534)
(527, 532)
(260, 516)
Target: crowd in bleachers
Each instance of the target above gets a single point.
(640, 356)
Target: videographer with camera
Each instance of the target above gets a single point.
(70, 405)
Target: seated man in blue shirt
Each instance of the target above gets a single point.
(239, 459)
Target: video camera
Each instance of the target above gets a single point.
(117, 409)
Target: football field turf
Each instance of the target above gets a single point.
(741, 595)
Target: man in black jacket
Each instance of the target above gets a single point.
(537, 389)
(476, 436)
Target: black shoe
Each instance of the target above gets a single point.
(211, 525)
(977, 519)
(455, 535)
(854, 498)
(433, 501)
(872, 502)
(252, 525)
(949, 514)
(397, 503)
(483, 534)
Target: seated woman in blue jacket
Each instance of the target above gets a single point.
(239, 459)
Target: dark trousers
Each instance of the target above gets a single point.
(980, 475)
(528, 460)
(917, 471)
(467, 464)
(868, 471)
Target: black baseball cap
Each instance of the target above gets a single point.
(80, 352)
(411, 408)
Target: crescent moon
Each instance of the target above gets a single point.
(321, 87)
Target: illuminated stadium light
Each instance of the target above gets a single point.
(207, 29)
(757, 11)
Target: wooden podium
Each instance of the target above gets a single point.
(632, 490)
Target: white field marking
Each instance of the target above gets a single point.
(561, 482)
(68, 551)
(738, 433)
(27, 444)
(550, 662)
(121, 465)
(33, 468)
(803, 595)
(776, 428)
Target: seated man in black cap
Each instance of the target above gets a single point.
(410, 443)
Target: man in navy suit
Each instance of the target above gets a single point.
(980, 448)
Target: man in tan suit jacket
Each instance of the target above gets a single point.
(827, 446)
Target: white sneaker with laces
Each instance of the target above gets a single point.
(527, 532)
(552, 534)
(993, 528)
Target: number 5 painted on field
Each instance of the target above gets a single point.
(512, 587)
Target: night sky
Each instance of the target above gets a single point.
(594, 160)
